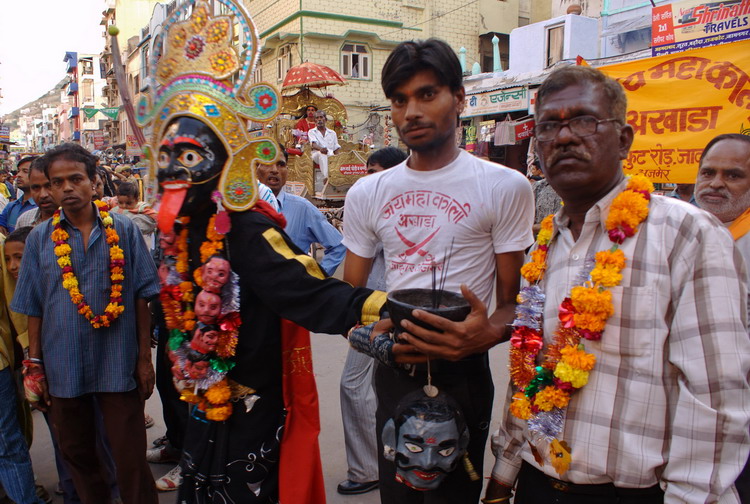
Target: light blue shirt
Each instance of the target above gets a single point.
(13, 210)
(79, 359)
(307, 225)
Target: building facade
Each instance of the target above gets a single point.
(355, 39)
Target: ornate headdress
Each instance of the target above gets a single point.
(200, 68)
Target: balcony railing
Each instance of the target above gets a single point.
(72, 88)
(73, 112)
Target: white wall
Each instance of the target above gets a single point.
(528, 44)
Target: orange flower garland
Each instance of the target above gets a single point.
(177, 301)
(116, 269)
(545, 390)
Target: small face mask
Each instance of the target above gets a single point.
(426, 438)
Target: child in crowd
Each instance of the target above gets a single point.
(129, 204)
(16, 475)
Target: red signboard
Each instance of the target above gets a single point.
(524, 130)
(98, 139)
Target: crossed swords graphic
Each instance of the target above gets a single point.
(416, 247)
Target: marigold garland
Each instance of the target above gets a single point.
(177, 301)
(116, 269)
(566, 366)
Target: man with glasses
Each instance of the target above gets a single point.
(658, 407)
(305, 223)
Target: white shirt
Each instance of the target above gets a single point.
(485, 208)
(327, 139)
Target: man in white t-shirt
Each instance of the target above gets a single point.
(440, 196)
(323, 142)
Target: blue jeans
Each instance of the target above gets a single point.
(16, 474)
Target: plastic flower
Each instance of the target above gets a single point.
(641, 184)
(219, 393)
(576, 357)
(576, 377)
(520, 407)
(551, 397)
(532, 271)
(559, 453)
(219, 413)
(63, 250)
(611, 258)
(545, 230)
(606, 276)
(592, 300)
(590, 322)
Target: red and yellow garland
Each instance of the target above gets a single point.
(116, 269)
(177, 302)
(565, 365)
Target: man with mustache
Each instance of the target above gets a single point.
(723, 185)
(40, 192)
(723, 189)
(440, 202)
(639, 314)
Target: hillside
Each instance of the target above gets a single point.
(51, 97)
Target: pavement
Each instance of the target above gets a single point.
(329, 354)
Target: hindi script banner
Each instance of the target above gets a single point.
(678, 102)
(691, 24)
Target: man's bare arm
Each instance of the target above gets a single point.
(357, 269)
(144, 367)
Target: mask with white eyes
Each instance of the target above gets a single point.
(426, 439)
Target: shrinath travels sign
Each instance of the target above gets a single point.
(692, 24)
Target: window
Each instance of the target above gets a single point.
(555, 37)
(258, 72)
(87, 67)
(144, 62)
(284, 61)
(87, 90)
(355, 61)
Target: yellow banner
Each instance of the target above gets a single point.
(678, 102)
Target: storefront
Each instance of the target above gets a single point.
(497, 121)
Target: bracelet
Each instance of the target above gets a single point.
(32, 363)
(34, 360)
(496, 501)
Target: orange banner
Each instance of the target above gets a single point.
(678, 102)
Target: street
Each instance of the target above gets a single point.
(329, 353)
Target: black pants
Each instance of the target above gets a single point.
(533, 487)
(74, 426)
(175, 412)
(743, 484)
(470, 384)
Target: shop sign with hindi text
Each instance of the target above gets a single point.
(495, 102)
(678, 102)
(692, 24)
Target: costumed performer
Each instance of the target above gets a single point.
(253, 426)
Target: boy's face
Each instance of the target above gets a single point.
(13, 255)
(127, 202)
(98, 187)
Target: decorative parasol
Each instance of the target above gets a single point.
(311, 75)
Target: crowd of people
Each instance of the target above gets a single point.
(626, 312)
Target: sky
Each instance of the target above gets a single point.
(34, 36)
